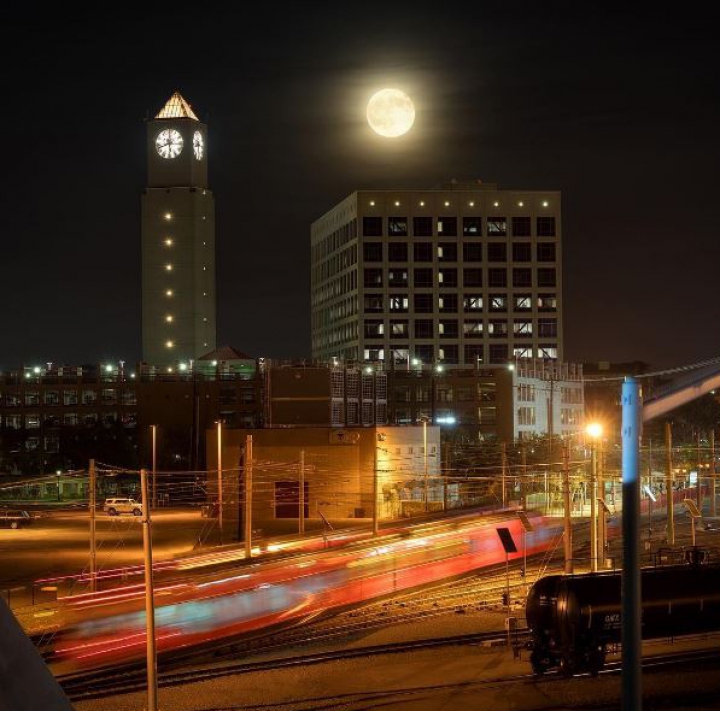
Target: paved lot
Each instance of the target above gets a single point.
(58, 543)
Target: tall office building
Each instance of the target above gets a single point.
(178, 240)
(465, 274)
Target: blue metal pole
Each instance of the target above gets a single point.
(631, 593)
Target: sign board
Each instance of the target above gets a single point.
(507, 540)
(692, 508)
(525, 521)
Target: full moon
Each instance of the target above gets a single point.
(390, 113)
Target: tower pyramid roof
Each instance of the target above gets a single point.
(177, 107)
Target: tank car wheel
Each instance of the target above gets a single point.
(567, 665)
(539, 663)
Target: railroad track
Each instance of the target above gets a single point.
(83, 688)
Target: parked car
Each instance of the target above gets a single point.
(14, 518)
(115, 507)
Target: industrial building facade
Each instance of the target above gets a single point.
(465, 275)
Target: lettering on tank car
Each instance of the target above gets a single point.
(611, 620)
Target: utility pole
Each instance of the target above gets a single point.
(523, 477)
(301, 495)
(602, 522)
(669, 485)
(568, 514)
(248, 496)
(376, 492)
(425, 455)
(631, 581)
(713, 510)
(92, 505)
(504, 464)
(699, 471)
(220, 479)
(593, 508)
(446, 476)
(149, 596)
(153, 429)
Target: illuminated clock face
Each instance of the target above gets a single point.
(169, 143)
(198, 145)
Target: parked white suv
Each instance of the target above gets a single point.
(115, 507)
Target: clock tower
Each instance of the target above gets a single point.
(178, 240)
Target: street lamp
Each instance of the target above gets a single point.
(594, 432)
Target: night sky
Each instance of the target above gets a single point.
(614, 105)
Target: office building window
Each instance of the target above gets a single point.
(447, 252)
(522, 277)
(497, 328)
(472, 276)
(472, 251)
(522, 252)
(546, 227)
(472, 303)
(423, 278)
(398, 252)
(547, 302)
(547, 351)
(546, 277)
(497, 278)
(496, 227)
(399, 303)
(522, 302)
(423, 252)
(449, 354)
(425, 353)
(372, 226)
(447, 226)
(373, 252)
(474, 354)
(424, 328)
(374, 303)
(498, 353)
(424, 303)
(498, 303)
(422, 227)
(448, 303)
(399, 329)
(546, 252)
(522, 328)
(374, 328)
(547, 328)
(52, 397)
(472, 226)
(521, 226)
(447, 278)
(398, 278)
(473, 328)
(526, 416)
(70, 397)
(397, 226)
(448, 329)
(373, 278)
(497, 252)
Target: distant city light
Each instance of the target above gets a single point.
(36, 370)
(545, 203)
(369, 370)
(449, 420)
(594, 430)
(168, 267)
(169, 292)
(372, 203)
(132, 375)
(511, 366)
(422, 203)
(416, 361)
(108, 368)
(214, 364)
(169, 344)
(496, 204)
(439, 368)
(471, 203)
(169, 318)
(168, 215)
(447, 203)
(397, 203)
(183, 366)
(169, 242)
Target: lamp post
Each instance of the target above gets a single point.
(425, 458)
(594, 431)
(220, 479)
(153, 429)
